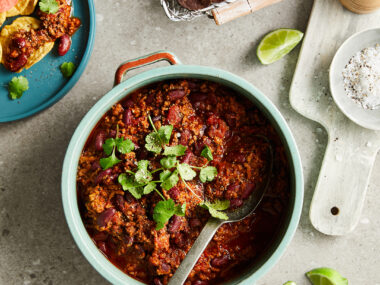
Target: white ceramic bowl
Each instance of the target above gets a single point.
(369, 119)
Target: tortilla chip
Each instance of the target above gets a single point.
(3, 17)
(24, 23)
(20, 7)
(30, 7)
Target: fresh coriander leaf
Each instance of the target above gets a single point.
(165, 175)
(170, 181)
(143, 165)
(218, 214)
(165, 133)
(143, 176)
(186, 172)
(129, 184)
(153, 142)
(149, 188)
(124, 145)
(163, 211)
(17, 86)
(208, 174)
(168, 162)
(108, 146)
(206, 152)
(67, 68)
(110, 161)
(49, 6)
(180, 210)
(177, 150)
(216, 208)
(219, 205)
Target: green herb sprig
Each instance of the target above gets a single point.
(110, 145)
(140, 182)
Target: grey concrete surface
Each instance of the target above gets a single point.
(35, 244)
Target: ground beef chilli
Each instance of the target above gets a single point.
(53, 27)
(203, 114)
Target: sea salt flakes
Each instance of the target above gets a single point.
(361, 77)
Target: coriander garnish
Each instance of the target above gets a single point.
(141, 182)
(110, 145)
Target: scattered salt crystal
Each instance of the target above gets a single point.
(93, 98)
(318, 130)
(338, 157)
(133, 43)
(361, 77)
(369, 144)
(364, 221)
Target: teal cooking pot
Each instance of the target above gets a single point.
(177, 70)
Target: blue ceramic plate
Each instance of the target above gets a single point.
(46, 83)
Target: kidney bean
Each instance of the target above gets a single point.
(174, 115)
(202, 130)
(19, 62)
(157, 281)
(165, 267)
(102, 174)
(249, 187)
(95, 165)
(139, 252)
(119, 202)
(100, 236)
(233, 187)
(105, 217)
(200, 282)
(112, 134)
(128, 197)
(102, 246)
(185, 137)
(19, 42)
(179, 240)
(129, 240)
(174, 193)
(193, 85)
(234, 203)
(220, 261)
(64, 44)
(187, 156)
(175, 224)
(197, 97)
(195, 223)
(176, 94)
(128, 117)
(236, 156)
(99, 140)
(128, 103)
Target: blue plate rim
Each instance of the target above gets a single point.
(73, 80)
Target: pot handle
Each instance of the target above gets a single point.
(143, 61)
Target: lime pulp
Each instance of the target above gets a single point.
(277, 44)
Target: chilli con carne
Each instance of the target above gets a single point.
(218, 129)
(59, 25)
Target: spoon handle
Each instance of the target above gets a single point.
(195, 252)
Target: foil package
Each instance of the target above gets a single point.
(176, 12)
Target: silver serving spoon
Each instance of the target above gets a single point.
(214, 224)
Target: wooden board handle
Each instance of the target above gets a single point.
(238, 9)
(342, 184)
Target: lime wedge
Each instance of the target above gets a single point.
(290, 283)
(277, 44)
(326, 276)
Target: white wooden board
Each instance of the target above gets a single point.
(351, 149)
